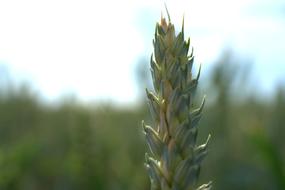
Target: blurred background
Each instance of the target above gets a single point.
(72, 80)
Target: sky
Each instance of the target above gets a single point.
(90, 49)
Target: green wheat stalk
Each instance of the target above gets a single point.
(175, 159)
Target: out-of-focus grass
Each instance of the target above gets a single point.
(74, 146)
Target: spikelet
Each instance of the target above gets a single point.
(175, 159)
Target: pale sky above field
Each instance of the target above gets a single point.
(91, 48)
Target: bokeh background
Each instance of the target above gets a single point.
(72, 81)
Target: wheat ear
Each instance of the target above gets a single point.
(175, 159)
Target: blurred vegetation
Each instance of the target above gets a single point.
(72, 146)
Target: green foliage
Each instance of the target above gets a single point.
(71, 146)
(68, 146)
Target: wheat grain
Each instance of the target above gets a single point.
(175, 159)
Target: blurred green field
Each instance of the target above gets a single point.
(72, 146)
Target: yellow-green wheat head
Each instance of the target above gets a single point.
(175, 158)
